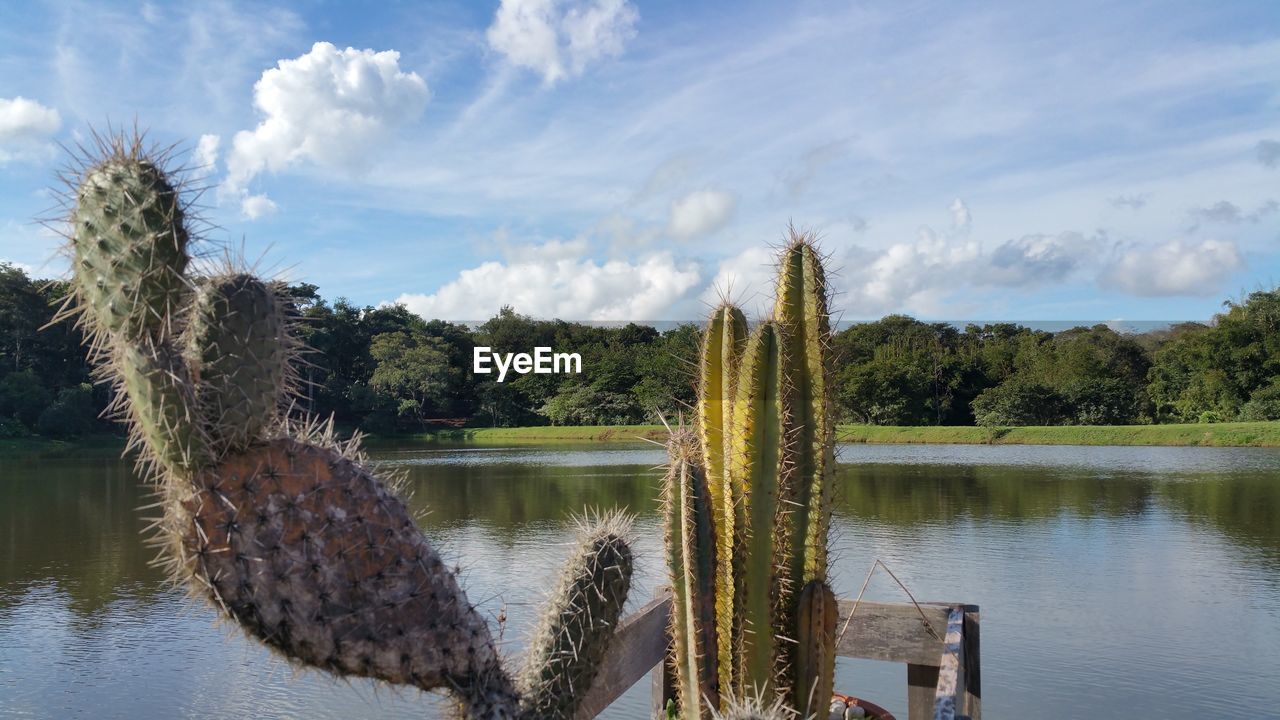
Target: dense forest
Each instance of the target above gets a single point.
(387, 370)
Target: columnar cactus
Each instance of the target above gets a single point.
(768, 436)
(284, 529)
(691, 548)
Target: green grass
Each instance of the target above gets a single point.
(583, 433)
(48, 447)
(1238, 434)
(1241, 434)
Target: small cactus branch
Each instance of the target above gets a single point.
(239, 342)
(579, 621)
(690, 540)
(815, 648)
(129, 238)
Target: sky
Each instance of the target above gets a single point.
(635, 160)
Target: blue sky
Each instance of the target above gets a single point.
(628, 160)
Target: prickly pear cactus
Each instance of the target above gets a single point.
(768, 435)
(283, 528)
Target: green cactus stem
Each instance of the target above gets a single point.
(801, 309)
(815, 648)
(578, 622)
(692, 555)
(240, 342)
(157, 401)
(129, 237)
(756, 460)
(721, 355)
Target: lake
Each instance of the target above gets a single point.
(1114, 582)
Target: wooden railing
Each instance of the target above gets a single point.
(938, 642)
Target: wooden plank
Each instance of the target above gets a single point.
(951, 668)
(640, 643)
(972, 663)
(922, 687)
(893, 632)
(662, 687)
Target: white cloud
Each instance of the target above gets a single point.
(1173, 268)
(961, 220)
(206, 156)
(907, 275)
(28, 269)
(23, 119)
(1269, 153)
(330, 107)
(912, 275)
(1037, 259)
(25, 128)
(557, 280)
(257, 206)
(560, 38)
(745, 279)
(700, 213)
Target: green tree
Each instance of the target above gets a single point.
(1018, 401)
(71, 415)
(586, 405)
(413, 370)
(23, 397)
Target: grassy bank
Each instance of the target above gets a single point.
(1250, 434)
(583, 433)
(48, 447)
(1241, 434)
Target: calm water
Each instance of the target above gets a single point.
(1114, 582)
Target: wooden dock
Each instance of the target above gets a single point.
(938, 642)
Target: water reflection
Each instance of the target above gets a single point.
(1121, 548)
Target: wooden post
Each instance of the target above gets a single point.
(922, 687)
(972, 663)
(950, 692)
(662, 688)
(640, 643)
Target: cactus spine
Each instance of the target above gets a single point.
(276, 523)
(775, 611)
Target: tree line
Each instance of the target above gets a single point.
(387, 370)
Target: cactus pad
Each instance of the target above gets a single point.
(315, 558)
(239, 340)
